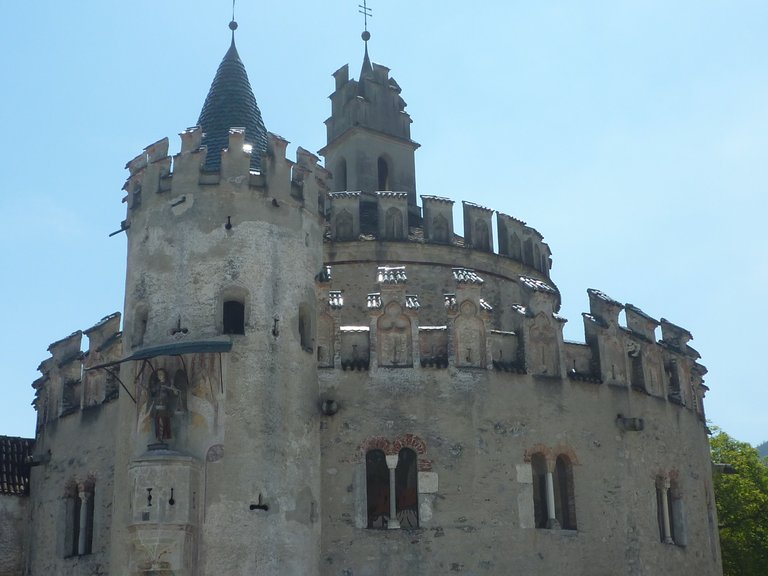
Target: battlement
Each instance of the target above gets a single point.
(384, 216)
(70, 379)
(155, 177)
(405, 329)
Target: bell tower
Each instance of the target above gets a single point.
(369, 147)
(219, 443)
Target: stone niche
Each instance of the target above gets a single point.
(469, 339)
(394, 337)
(433, 346)
(355, 347)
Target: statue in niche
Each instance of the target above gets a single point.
(544, 359)
(470, 337)
(394, 337)
(166, 399)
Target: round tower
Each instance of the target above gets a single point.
(221, 434)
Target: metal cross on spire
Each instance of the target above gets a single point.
(367, 13)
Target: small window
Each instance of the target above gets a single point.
(406, 492)
(79, 520)
(565, 504)
(539, 469)
(234, 317)
(377, 489)
(340, 176)
(383, 169)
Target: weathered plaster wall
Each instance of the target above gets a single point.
(478, 426)
(81, 447)
(14, 534)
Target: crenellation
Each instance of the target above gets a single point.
(236, 158)
(478, 228)
(640, 323)
(438, 219)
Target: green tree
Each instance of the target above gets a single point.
(742, 507)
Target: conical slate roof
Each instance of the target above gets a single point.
(231, 104)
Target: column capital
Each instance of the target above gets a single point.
(392, 460)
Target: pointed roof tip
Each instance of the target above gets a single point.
(231, 103)
(367, 70)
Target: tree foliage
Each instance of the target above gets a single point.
(742, 507)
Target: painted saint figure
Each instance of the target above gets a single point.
(163, 394)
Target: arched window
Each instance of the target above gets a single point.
(234, 317)
(406, 491)
(565, 504)
(78, 539)
(377, 489)
(383, 172)
(340, 176)
(393, 224)
(539, 470)
(669, 507)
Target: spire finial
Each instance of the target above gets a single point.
(233, 23)
(367, 13)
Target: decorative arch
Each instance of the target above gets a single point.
(470, 337)
(393, 224)
(383, 171)
(394, 337)
(233, 308)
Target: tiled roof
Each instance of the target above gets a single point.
(433, 328)
(519, 308)
(388, 194)
(511, 218)
(374, 301)
(485, 306)
(604, 297)
(639, 312)
(537, 285)
(412, 302)
(355, 329)
(391, 275)
(595, 320)
(333, 195)
(477, 206)
(335, 299)
(437, 199)
(466, 276)
(450, 301)
(324, 275)
(14, 471)
(101, 322)
(230, 103)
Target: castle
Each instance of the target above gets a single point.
(314, 374)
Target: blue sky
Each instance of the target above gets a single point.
(632, 135)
